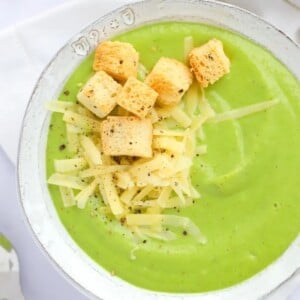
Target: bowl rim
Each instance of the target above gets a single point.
(21, 145)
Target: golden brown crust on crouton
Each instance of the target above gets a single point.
(137, 97)
(127, 136)
(99, 94)
(118, 59)
(170, 78)
(209, 62)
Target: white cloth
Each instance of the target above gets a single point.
(16, 11)
(25, 50)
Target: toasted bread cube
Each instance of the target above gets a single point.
(137, 97)
(127, 136)
(170, 79)
(118, 59)
(209, 62)
(99, 94)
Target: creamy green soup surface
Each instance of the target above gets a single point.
(249, 178)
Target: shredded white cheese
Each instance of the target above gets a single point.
(244, 111)
(188, 45)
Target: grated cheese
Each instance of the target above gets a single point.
(91, 151)
(87, 124)
(204, 106)
(244, 111)
(101, 170)
(60, 106)
(123, 180)
(127, 196)
(69, 181)
(191, 99)
(67, 196)
(188, 45)
(175, 186)
(83, 196)
(112, 196)
(142, 72)
(168, 143)
(143, 193)
(181, 117)
(149, 185)
(163, 235)
(69, 165)
(72, 139)
(164, 132)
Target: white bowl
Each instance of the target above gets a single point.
(88, 276)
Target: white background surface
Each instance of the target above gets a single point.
(16, 11)
(26, 45)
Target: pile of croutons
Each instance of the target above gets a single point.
(115, 83)
(123, 145)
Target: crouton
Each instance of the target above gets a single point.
(209, 62)
(126, 136)
(118, 59)
(137, 97)
(170, 79)
(99, 94)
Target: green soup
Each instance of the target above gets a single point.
(250, 205)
